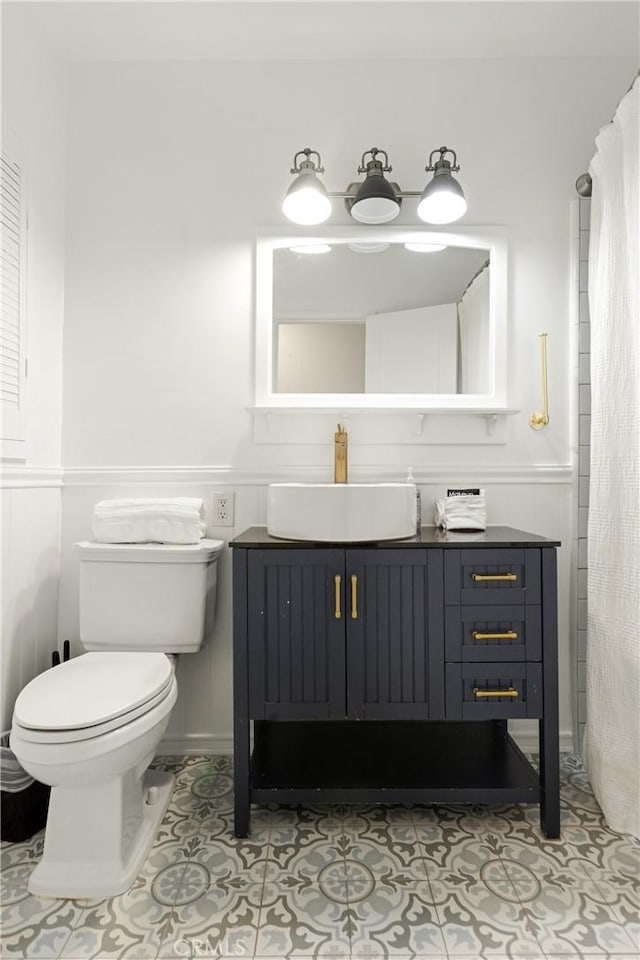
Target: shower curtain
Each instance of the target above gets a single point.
(474, 333)
(612, 743)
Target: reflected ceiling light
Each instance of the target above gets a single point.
(311, 248)
(417, 247)
(375, 199)
(306, 201)
(443, 198)
(368, 247)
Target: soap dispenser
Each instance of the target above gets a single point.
(411, 479)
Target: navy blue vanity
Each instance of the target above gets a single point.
(386, 672)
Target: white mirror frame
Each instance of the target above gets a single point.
(488, 238)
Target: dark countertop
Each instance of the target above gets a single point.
(429, 537)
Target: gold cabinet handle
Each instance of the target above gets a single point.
(508, 635)
(494, 576)
(337, 582)
(509, 692)
(354, 597)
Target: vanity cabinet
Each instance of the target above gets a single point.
(342, 634)
(387, 672)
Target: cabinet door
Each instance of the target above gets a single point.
(395, 634)
(296, 634)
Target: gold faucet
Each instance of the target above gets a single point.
(340, 440)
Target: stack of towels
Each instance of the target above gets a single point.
(467, 512)
(162, 520)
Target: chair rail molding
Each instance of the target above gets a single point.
(318, 472)
(14, 477)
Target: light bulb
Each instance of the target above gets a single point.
(307, 205)
(443, 204)
(375, 210)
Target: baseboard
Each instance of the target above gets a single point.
(199, 744)
(524, 732)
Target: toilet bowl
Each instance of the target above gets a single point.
(90, 727)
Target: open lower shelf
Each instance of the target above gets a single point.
(392, 762)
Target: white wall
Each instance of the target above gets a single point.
(34, 103)
(173, 166)
(320, 357)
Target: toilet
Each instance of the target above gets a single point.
(90, 727)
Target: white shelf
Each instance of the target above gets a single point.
(424, 411)
(402, 425)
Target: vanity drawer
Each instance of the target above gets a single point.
(474, 691)
(488, 634)
(499, 576)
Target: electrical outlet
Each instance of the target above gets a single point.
(222, 513)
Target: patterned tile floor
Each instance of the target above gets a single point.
(347, 882)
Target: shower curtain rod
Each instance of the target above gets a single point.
(583, 183)
(474, 277)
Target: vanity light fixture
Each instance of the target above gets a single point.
(306, 201)
(374, 199)
(443, 199)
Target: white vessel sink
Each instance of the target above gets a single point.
(341, 512)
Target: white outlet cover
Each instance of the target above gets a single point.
(229, 497)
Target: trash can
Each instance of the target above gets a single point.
(24, 800)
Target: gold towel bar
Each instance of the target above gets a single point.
(509, 692)
(540, 420)
(494, 576)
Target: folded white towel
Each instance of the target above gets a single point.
(177, 506)
(461, 513)
(161, 520)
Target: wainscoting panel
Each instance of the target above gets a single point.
(534, 499)
(30, 581)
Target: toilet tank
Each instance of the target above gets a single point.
(147, 596)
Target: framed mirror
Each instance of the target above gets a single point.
(382, 318)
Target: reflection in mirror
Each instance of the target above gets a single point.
(382, 319)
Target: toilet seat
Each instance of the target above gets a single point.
(91, 695)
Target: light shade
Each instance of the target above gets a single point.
(376, 201)
(442, 199)
(306, 201)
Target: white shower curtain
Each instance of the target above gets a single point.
(612, 745)
(474, 331)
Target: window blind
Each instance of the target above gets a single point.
(12, 299)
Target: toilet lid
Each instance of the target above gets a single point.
(91, 690)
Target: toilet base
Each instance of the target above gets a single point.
(65, 871)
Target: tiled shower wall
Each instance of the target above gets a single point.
(584, 450)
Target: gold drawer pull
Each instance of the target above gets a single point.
(337, 581)
(494, 576)
(354, 597)
(509, 692)
(509, 635)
